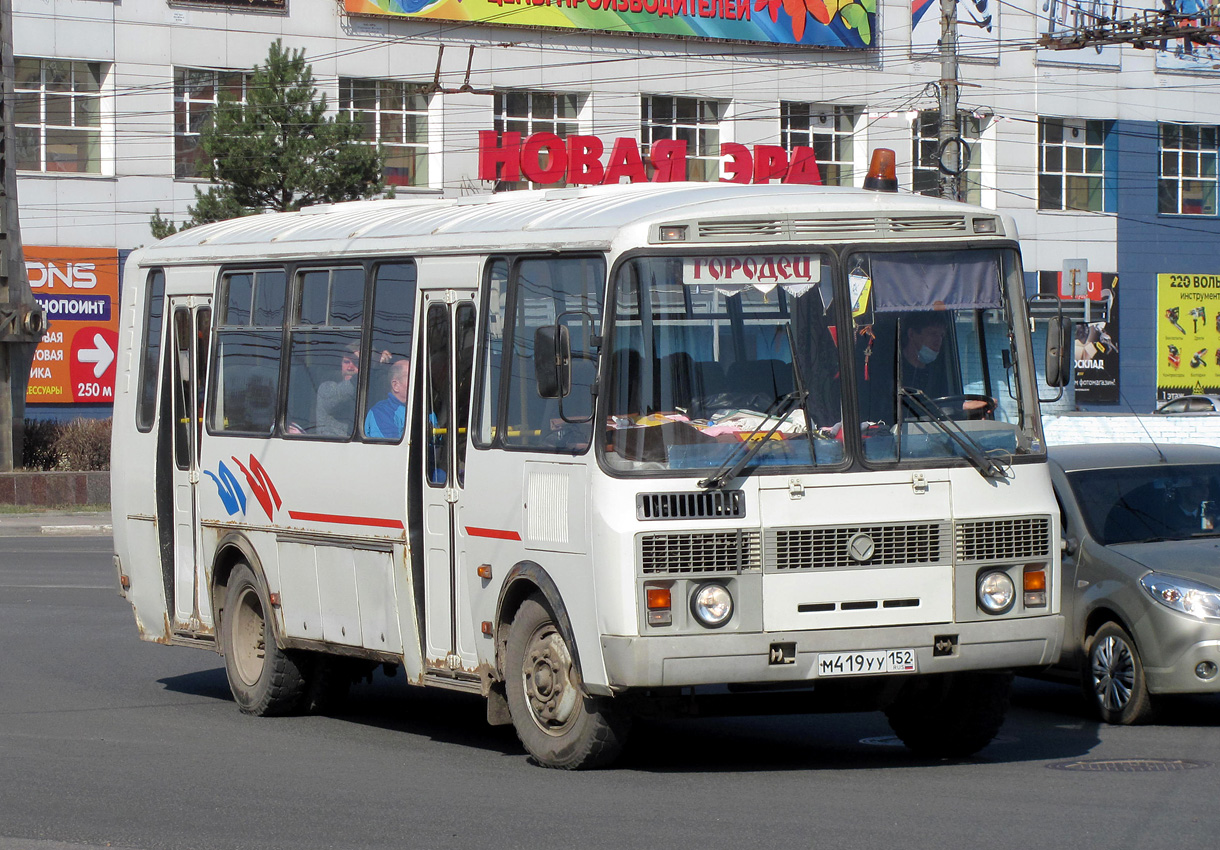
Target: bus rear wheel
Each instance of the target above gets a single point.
(265, 680)
(952, 715)
(559, 725)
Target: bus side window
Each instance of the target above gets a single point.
(555, 289)
(245, 381)
(154, 308)
(325, 357)
(487, 385)
(393, 316)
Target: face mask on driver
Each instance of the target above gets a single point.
(926, 355)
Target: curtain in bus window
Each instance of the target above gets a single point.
(948, 280)
(153, 312)
(245, 385)
(547, 292)
(390, 330)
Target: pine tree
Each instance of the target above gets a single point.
(279, 151)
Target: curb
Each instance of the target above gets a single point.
(81, 530)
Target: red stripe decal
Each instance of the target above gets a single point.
(495, 533)
(347, 520)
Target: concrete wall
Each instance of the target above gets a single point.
(55, 489)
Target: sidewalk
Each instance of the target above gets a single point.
(94, 523)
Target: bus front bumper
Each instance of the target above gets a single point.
(776, 657)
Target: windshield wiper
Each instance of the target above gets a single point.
(986, 465)
(727, 471)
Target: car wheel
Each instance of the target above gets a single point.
(1113, 677)
(559, 725)
(265, 680)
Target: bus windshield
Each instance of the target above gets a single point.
(706, 353)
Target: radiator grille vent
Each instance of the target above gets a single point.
(833, 226)
(820, 548)
(710, 504)
(699, 552)
(944, 224)
(761, 229)
(1004, 539)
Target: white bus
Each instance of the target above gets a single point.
(593, 454)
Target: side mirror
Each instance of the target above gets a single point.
(1059, 344)
(553, 361)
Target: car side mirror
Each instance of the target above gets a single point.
(553, 361)
(1069, 545)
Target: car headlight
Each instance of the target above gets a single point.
(996, 592)
(1183, 595)
(712, 605)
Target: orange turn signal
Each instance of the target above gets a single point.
(658, 598)
(1035, 579)
(484, 571)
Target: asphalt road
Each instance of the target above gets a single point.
(109, 742)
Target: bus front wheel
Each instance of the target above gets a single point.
(558, 724)
(953, 715)
(265, 680)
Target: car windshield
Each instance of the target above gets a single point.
(1135, 504)
(705, 353)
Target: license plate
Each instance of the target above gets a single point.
(867, 663)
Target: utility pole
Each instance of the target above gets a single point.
(22, 321)
(949, 149)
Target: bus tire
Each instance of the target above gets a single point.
(559, 725)
(950, 716)
(265, 680)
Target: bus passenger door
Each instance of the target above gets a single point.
(190, 321)
(448, 352)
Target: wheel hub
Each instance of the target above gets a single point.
(547, 676)
(1113, 673)
(250, 637)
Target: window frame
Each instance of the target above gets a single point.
(1180, 154)
(531, 121)
(42, 97)
(702, 158)
(183, 110)
(1054, 155)
(841, 141)
(376, 118)
(925, 140)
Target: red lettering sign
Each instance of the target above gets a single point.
(547, 159)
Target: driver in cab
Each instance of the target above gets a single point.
(923, 335)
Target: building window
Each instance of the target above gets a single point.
(1188, 170)
(197, 91)
(696, 122)
(1071, 164)
(826, 129)
(394, 114)
(529, 112)
(925, 142)
(57, 115)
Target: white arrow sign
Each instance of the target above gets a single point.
(101, 356)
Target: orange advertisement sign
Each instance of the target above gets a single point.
(79, 290)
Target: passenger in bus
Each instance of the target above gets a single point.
(336, 404)
(387, 418)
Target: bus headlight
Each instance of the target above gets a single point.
(996, 592)
(712, 605)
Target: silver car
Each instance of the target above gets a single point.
(1141, 572)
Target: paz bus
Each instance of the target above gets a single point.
(595, 454)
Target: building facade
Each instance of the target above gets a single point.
(1106, 157)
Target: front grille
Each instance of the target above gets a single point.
(699, 552)
(822, 548)
(1004, 539)
(705, 504)
(830, 227)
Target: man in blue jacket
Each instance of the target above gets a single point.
(387, 418)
